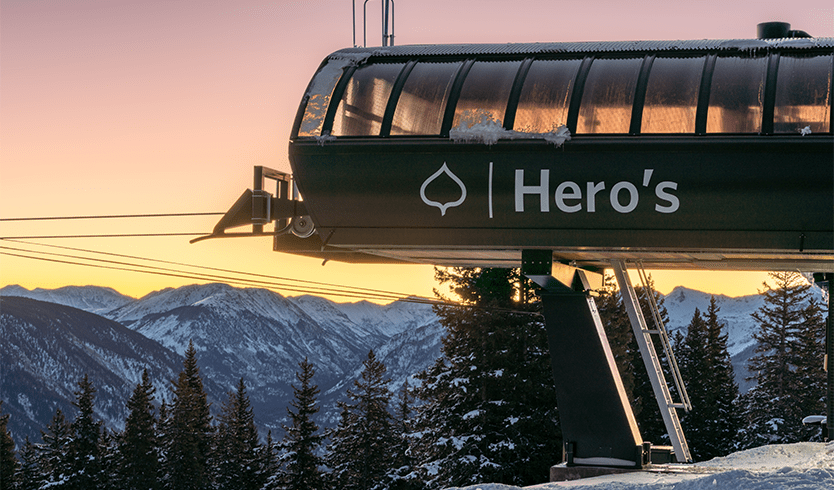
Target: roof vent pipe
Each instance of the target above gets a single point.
(778, 30)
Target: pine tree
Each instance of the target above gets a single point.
(723, 394)
(238, 448)
(403, 474)
(302, 439)
(138, 445)
(110, 479)
(85, 456)
(488, 409)
(811, 377)
(361, 445)
(29, 476)
(713, 423)
(54, 452)
(8, 462)
(693, 360)
(188, 431)
(773, 406)
(163, 424)
(272, 468)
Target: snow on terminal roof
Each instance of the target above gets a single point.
(589, 47)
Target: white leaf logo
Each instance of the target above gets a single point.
(443, 207)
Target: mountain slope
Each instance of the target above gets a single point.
(735, 312)
(261, 336)
(48, 348)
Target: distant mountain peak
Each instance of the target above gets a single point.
(95, 299)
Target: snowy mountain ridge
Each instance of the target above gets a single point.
(261, 336)
(363, 317)
(735, 312)
(94, 299)
(681, 303)
(251, 333)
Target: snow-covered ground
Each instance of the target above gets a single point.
(800, 466)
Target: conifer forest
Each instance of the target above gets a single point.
(485, 411)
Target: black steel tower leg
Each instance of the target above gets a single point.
(598, 425)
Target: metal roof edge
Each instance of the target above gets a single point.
(589, 47)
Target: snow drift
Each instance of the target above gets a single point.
(804, 465)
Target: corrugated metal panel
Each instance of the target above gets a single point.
(590, 47)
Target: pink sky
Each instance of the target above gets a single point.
(123, 107)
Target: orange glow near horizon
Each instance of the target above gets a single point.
(152, 106)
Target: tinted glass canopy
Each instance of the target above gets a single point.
(630, 88)
(682, 154)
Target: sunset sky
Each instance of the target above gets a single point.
(138, 107)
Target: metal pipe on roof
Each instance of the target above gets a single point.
(773, 30)
(365, 24)
(778, 30)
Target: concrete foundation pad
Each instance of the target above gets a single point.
(568, 473)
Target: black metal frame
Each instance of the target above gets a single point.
(364, 195)
(587, 59)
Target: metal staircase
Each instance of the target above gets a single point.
(644, 340)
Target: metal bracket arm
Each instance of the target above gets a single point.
(538, 266)
(259, 207)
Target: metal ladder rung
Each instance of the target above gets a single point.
(652, 361)
(660, 330)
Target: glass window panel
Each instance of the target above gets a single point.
(737, 95)
(319, 93)
(608, 96)
(363, 104)
(423, 99)
(803, 94)
(545, 96)
(485, 92)
(672, 95)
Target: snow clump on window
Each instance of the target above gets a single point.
(477, 126)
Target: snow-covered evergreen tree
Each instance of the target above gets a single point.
(360, 449)
(138, 445)
(29, 475)
(54, 451)
(8, 460)
(811, 376)
(238, 450)
(692, 356)
(489, 406)
(163, 422)
(403, 474)
(303, 439)
(272, 471)
(85, 451)
(188, 431)
(773, 407)
(712, 425)
(723, 395)
(110, 479)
